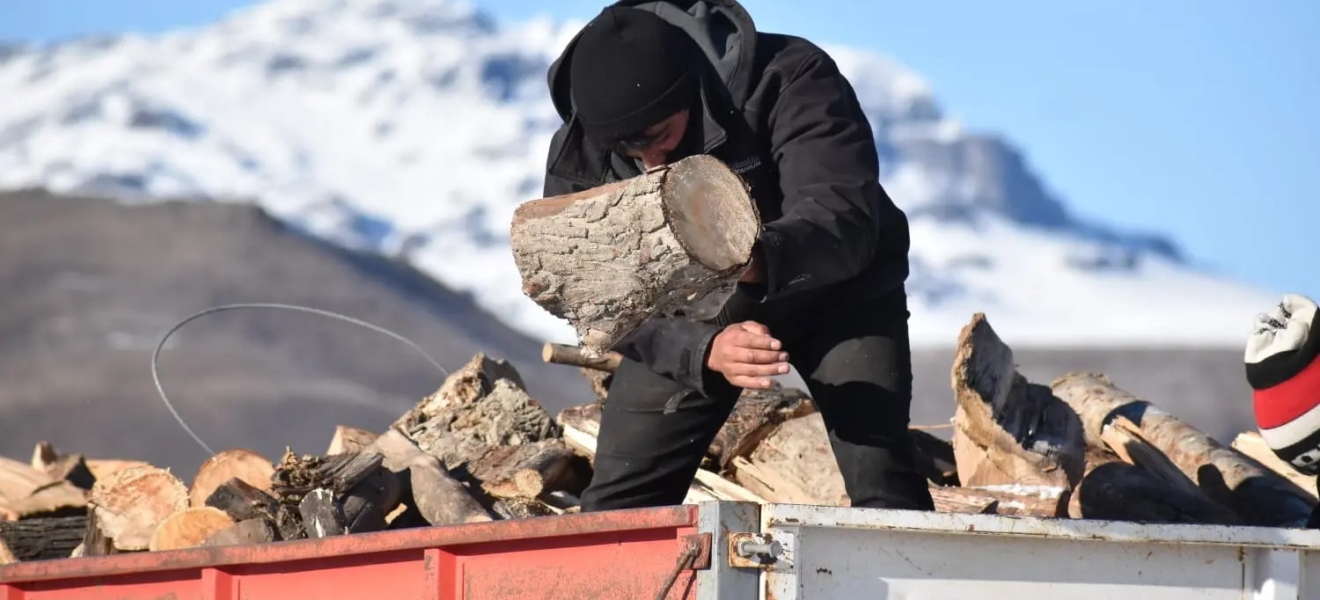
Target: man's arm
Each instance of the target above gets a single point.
(834, 207)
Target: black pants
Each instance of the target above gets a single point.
(856, 362)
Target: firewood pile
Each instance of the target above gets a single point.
(481, 449)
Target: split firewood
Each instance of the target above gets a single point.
(1257, 494)
(94, 541)
(438, 497)
(240, 463)
(26, 492)
(130, 504)
(71, 468)
(366, 506)
(522, 508)
(251, 531)
(961, 500)
(755, 415)
(42, 538)
(1124, 438)
(1008, 430)
(673, 240)
(322, 514)
(526, 470)
(482, 406)
(188, 528)
(242, 501)
(297, 476)
(797, 451)
(1252, 444)
(361, 491)
(1044, 501)
(349, 439)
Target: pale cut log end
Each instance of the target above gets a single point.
(131, 503)
(711, 212)
(188, 528)
(249, 466)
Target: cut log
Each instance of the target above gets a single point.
(188, 528)
(564, 354)
(1119, 491)
(525, 470)
(130, 504)
(480, 407)
(298, 475)
(962, 500)
(674, 240)
(1027, 500)
(426, 484)
(242, 463)
(755, 415)
(322, 514)
(367, 505)
(349, 439)
(1257, 494)
(797, 460)
(251, 531)
(1124, 438)
(26, 493)
(1252, 444)
(1008, 430)
(42, 539)
(94, 542)
(102, 468)
(242, 501)
(7, 556)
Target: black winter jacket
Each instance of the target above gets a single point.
(778, 112)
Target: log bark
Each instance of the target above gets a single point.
(525, 470)
(367, 505)
(1119, 491)
(94, 542)
(240, 463)
(671, 241)
(322, 514)
(188, 528)
(1026, 500)
(480, 407)
(251, 531)
(349, 439)
(44, 538)
(564, 354)
(438, 497)
(130, 504)
(1258, 495)
(242, 501)
(1008, 430)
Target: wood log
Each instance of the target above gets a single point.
(797, 460)
(296, 476)
(26, 493)
(1027, 500)
(43, 538)
(349, 439)
(130, 504)
(480, 407)
(366, 506)
(427, 485)
(935, 458)
(322, 514)
(671, 241)
(1124, 438)
(1008, 430)
(522, 508)
(242, 501)
(188, 528)
(1257, 494)
(251, 531)
(525, 470)
(242, 463)
(564, 354)
(755, 415)
(1119, 491)
(102, 468)
(1252, 444)
(71, 468)
(7, 556)
(949, 499)
(94, 542)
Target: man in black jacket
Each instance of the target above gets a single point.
(648, 82)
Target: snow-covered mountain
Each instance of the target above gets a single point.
(415, 127)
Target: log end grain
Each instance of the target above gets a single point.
(130, 504)
(188, 528)
(711, 212)
(251, 467)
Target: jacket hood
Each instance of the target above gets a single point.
(721, 28)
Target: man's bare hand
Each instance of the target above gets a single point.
(747, 355)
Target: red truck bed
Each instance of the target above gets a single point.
(623, 554)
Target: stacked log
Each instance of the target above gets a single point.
(481, 449)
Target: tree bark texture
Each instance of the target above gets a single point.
(42, 539)
(672, 240)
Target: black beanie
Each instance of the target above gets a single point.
(629, 71)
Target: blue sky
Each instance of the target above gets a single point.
(1197, 118)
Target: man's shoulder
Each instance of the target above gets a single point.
(783, 56)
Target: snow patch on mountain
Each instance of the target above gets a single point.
(415, 127)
